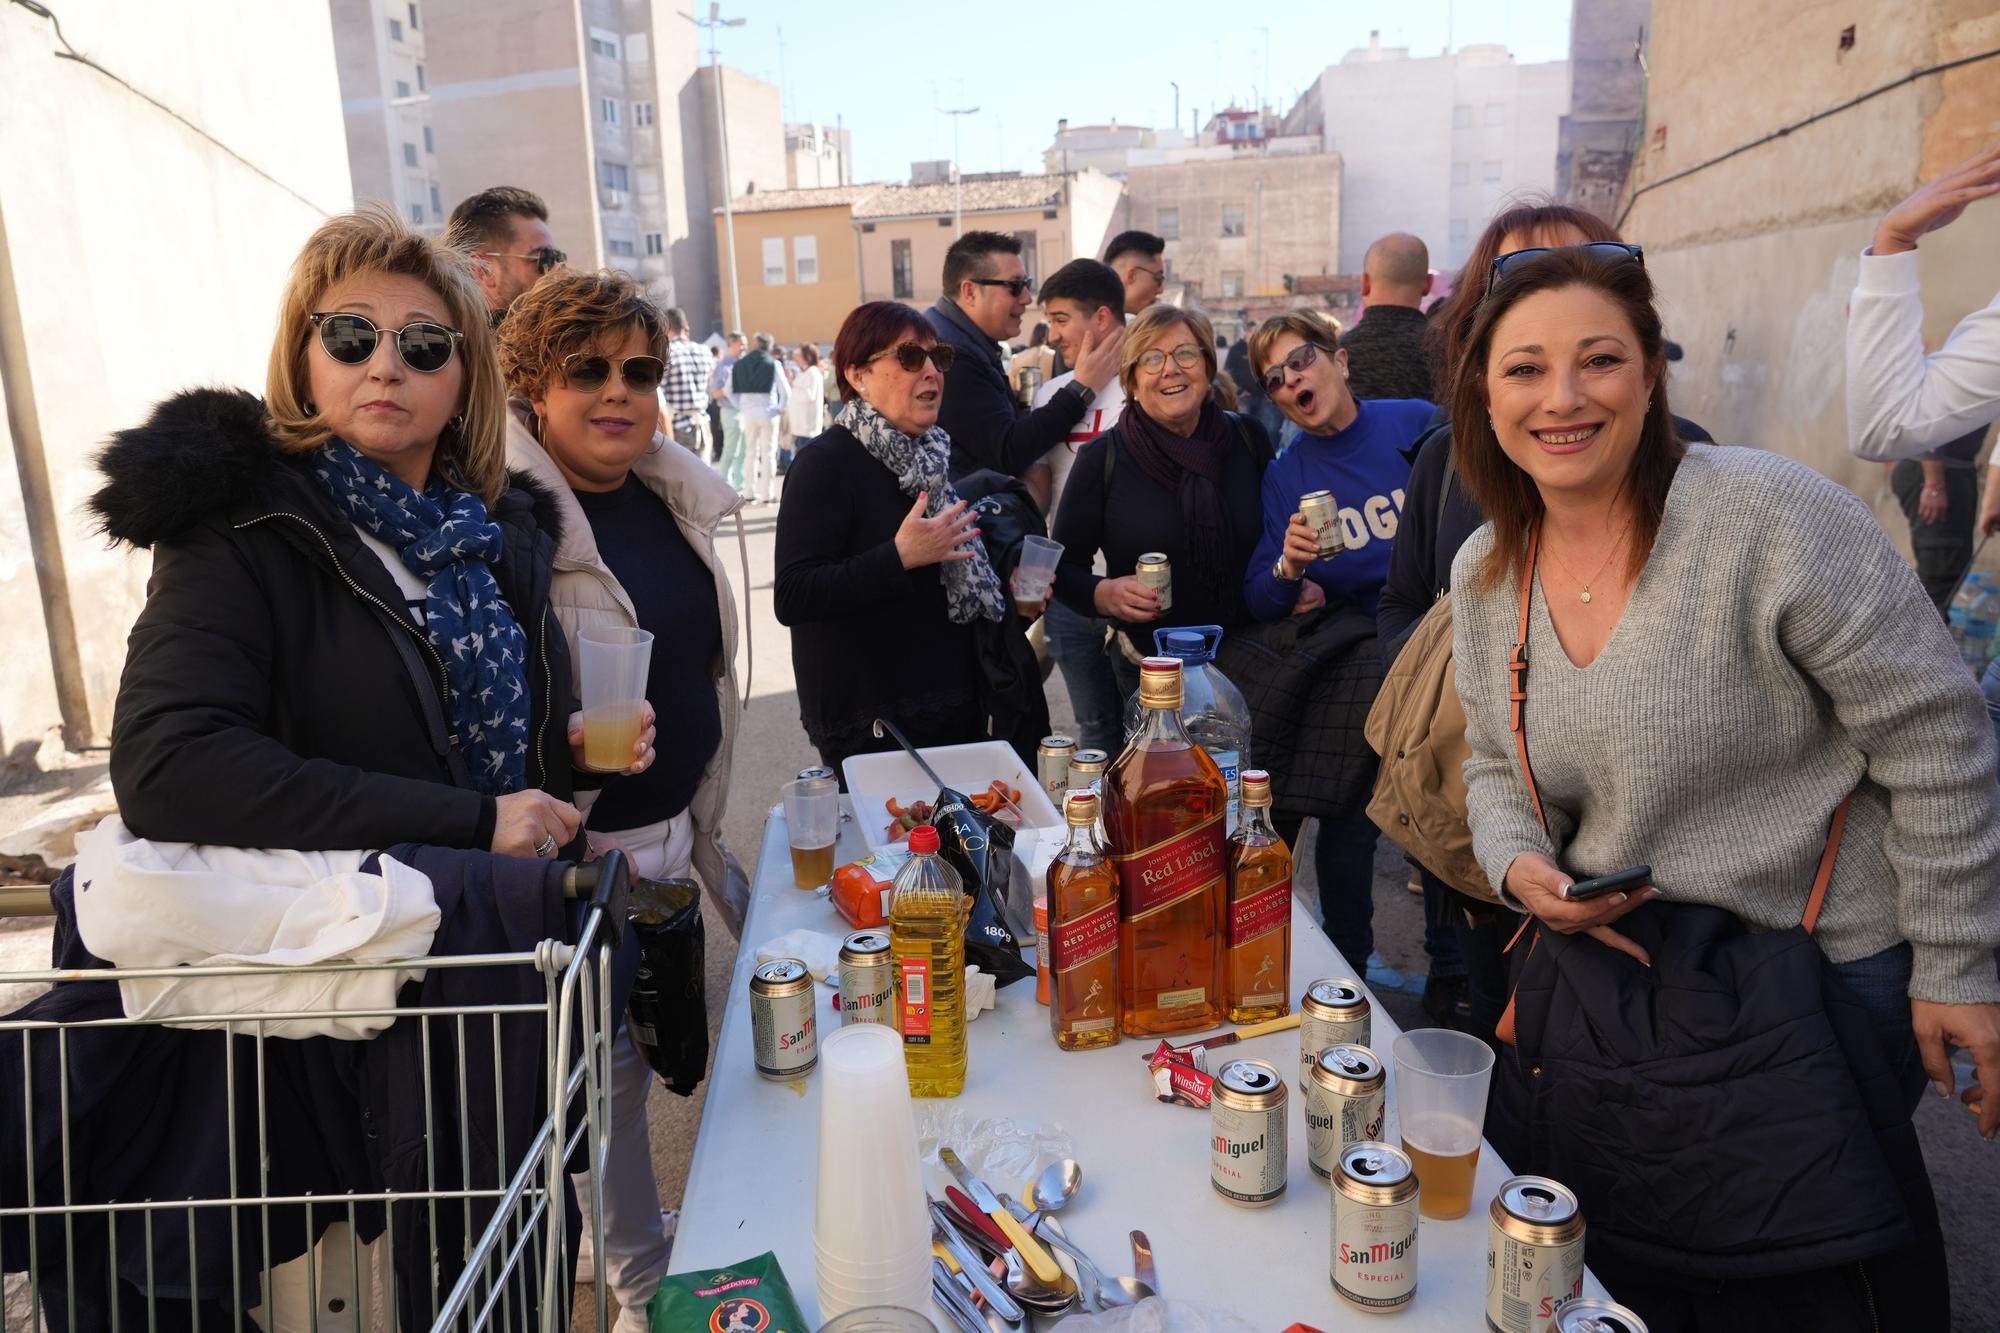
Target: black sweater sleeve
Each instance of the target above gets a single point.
(818, 576)
(191, 757)
(1414, 578)
(978, 414)
(1080, 528)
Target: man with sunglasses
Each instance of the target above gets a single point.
(1139, 259)
(505, 232)
(986, 291)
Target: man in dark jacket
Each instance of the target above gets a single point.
(986, 290)
(1385, 348)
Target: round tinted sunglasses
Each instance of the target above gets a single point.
(351, 340)
(910, 356)
(1298, 362)
(1611, 250)
(587, 372)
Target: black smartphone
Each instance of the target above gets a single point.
(1628, 878)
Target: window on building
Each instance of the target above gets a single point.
(1489, 171)
(603, 43)
(607, 110)
(413, 16)
(437, 204)
(619, 247)
(656, 243)
(395, 30)
(642, 114)
(423, 81)
(637, 49)
(1232, 282)
(1461, 117)
(805, 258)
(902, 274)
(1459, 231)
(1461, 173)
(1030, 251)
(417, 214)
(402, 88)
(1232, 220)
(613, 176)
(774, 261)
(1168, 220)
(1496, 114)
(430, 140)
(409, 155)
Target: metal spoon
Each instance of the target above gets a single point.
(1142, 1259)
(1053, 1190)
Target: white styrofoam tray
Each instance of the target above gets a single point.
(873, 778)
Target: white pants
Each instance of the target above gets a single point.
(760, 441)
(636, 1247)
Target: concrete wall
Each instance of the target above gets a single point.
(121, 225)
(1607, 102)
(793, 311)
(1291, 213)
(1755, 258)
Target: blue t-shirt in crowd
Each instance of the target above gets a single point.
(1365, 469)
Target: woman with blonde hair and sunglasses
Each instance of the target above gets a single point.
(584, 354)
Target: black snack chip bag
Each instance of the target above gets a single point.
(981, 849)
(668, 1013)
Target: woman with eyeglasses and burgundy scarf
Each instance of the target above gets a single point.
(584, 354)
(881, 574)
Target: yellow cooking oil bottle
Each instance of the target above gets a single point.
(927, 937)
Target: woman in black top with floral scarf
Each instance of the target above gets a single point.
(881, 575)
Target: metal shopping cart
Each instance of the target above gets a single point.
(469, 1226)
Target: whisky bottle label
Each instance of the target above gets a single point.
(1084, 940)
(1261, 913)
(1179, 867)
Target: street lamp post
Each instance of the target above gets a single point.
(714, 23)
(957, 177)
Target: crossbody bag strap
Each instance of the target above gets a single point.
(1517, 674)
(1824, 875)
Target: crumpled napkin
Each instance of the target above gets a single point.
(979, 991)
(818, 951)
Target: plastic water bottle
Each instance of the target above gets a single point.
(1961, 600)
(1982, 617)
(1212, 711)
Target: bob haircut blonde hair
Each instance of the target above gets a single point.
(1156, 322)
(472, 449)
(1313, 326)
(569, 313)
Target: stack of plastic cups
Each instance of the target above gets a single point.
(871, 1229)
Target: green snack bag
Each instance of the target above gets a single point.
(750, 1297)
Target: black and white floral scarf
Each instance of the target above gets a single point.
(971, 587)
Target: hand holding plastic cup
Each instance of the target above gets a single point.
(1035, 574)
(812, 824)
(614, 664)
(1441, 1082)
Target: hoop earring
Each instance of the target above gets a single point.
(457, 424)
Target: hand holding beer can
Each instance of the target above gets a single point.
(1322, 515)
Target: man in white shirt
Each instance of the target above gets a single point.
(1084, 300)
(1901, 403)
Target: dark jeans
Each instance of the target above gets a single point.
(1447, 960)
(1905, 1289)
(1482, 932)
(1077, 645)
(1344, 863)
(1943, 549)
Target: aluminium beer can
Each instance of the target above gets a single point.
(1333, 1012)
(781, 1020)
(1322, 515)
(867, 978)
(1374, 1260)
(1154, 571)
(1590, 1315)
(1534, 1254)
(1344, 1104)
(1246, 1117)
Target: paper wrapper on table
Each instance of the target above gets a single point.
(979, 993)
(1181, 1078)
(819, 952)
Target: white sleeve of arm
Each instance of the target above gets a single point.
(1900, 402)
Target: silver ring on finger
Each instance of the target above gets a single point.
(547, 846)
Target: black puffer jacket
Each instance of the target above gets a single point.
(275, 694)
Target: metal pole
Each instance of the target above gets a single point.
(735, 320)
(957, 176)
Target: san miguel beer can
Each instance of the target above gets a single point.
(1322, 515)
(1246, 1118)
(1153, 571)
(1333, 1012)
(1374, 1263)
(1594, 1316)
(867, 979)
(1344, 1104)
(818, 771)
(1086, 769)
(1534, 1254)
(781, 1020)
(1052, 760)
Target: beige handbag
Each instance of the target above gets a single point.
(1417, 726)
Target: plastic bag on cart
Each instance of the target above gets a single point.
(1158, 1314)
(668, 1013)
(981, 849)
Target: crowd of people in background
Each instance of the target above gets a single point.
(366, 605)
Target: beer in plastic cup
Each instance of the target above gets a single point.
(613, 668)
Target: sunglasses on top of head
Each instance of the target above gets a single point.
(587, 372)
(1612, 250)
(351, 340)
(1300, 359)
(910, 356)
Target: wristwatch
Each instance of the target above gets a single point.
(1278, 572)
(1083, 392)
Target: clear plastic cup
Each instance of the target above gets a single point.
(1038, 558)
(870, 1213)
(1441, 1082)
(880, 1319)
(836, 1300)
(812, 823)
(613, 666)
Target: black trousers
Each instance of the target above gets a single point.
(1943, 549)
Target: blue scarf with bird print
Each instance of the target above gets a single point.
(445, 538)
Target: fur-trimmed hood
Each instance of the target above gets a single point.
(207, 452)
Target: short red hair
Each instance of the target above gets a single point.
(871, 329)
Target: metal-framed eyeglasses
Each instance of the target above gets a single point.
(1153, 361)
(546, 257)
(425, 347)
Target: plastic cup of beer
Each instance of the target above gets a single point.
(614, 666)
(812, 822)
(1035, 574)
(1441, 1082)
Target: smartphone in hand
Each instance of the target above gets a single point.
(1631, 877)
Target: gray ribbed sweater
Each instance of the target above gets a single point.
(1777, 654)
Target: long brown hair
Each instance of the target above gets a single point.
(1539, 218)
(1503, 491)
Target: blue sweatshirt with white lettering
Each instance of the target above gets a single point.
(1366, 470)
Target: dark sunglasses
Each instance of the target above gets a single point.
(1513, 259)
(546, 257)
(587, 372)
(1016, 287)
(910, 356)
(351, 339)
(1302, 357)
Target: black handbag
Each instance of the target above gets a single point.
(1727, 1113)
(668, 1012)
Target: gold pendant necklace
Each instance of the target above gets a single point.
(1585, 583)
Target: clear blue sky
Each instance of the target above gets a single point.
(884, 66)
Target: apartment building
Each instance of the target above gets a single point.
(817, 156)
(385, 98)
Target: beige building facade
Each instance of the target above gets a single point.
(1243, 227)
(797, 261)
(1755, 256)
(385, 96)
(120, 224)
